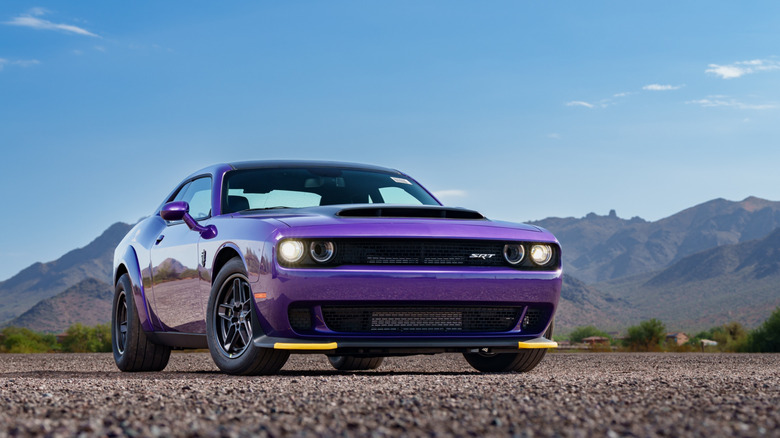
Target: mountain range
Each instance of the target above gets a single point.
(704, 266)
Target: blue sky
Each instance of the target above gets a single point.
(521, 110)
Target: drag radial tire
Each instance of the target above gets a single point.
(231, 325)
(522, 362)
(354, 363)
(133, 351)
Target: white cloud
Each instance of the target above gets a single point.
(38, 11)
(623, 94)
(742, 68)
(554, 136)
(41, 24)
(454, 193)
(580, 103)
(18, 62)
(659, 87)
(723, 102)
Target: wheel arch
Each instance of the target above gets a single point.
(129, 265)
(224, 254)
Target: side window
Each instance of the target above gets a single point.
(197, 194)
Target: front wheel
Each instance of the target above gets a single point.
(521, 362)
(230, 326)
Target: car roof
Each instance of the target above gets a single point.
(278, 164)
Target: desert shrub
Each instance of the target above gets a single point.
(22, 340)
(766, 338)
(647, 336)
(84, 339)
(730, 337)
(580, 333)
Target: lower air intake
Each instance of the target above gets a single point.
(391, 320)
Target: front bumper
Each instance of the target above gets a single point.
(403, 346)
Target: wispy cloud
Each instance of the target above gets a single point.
(725, 102)
(454, 193)
(580, 103)
(33, 21)
(18, 62)
(659, 87)
(742, 68)
(554, 136)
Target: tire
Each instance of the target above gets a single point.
(522, 362)
(231, 323)
(355, 363)
(133, 351)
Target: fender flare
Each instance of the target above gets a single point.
(130, 262)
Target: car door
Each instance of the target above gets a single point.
(174, 261)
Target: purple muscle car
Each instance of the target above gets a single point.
(257, 260)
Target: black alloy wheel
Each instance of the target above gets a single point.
(231, 326)
(234, 324)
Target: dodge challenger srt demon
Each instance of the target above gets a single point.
(258, 260)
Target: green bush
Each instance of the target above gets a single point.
(83, 339)
(581, 333)
(730, 337)
(22, 340)
(647, 336)
(765, 339)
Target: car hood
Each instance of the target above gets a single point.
(395, 222)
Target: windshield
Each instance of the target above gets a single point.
(255, 189)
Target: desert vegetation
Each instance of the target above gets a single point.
(76, 339)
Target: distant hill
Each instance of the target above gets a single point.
(739, 282)
(88, 302)
(600, 248)
(582, 305)
(44, 280)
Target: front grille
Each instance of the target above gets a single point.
(420, 252)
(420, 319)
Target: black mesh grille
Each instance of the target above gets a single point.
(420, 252)
(300, 318)
(534, 320)
(420, 319)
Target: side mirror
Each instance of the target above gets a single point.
(180, 210)
(175, 211)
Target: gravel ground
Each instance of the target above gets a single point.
(566, 395)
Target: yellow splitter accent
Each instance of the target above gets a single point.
(537, 343)
(301, 346)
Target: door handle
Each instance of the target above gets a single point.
(159, 239)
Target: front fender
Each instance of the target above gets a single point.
(130, 262)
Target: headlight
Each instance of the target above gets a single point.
(541, 254)
(291, 251)
(321, 251)
(514, 253)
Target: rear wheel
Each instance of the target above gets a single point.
(133, 351)
(354, 363)
(230, 326)
(522, 361)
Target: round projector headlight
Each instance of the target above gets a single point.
(514, 253)
(541, 254)
(291, 251)
(321, 251)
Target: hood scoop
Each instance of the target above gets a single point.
(427, 212)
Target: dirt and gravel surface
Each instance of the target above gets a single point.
(567, 395)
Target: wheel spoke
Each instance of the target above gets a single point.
(246, 332)
(236, 292)
(229, 338)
